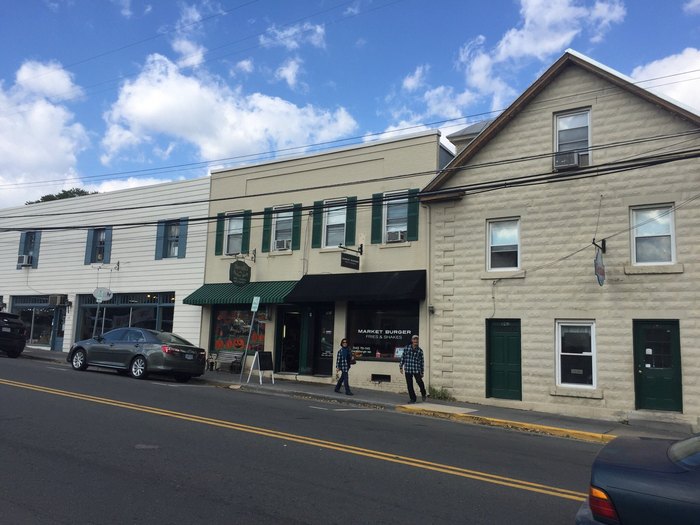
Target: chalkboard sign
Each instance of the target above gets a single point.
(265, 360)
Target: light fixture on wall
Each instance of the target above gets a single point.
(431, 309)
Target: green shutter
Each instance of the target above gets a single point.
(267, 230)
(220, 225)
(296, 227)
(245, 242)
(317, 229)
(413, 209)
(350, 221)
(377, 218)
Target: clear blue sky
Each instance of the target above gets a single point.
(107, 94)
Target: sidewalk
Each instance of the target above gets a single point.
(593, 430)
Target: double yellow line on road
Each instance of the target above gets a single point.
(348, 449)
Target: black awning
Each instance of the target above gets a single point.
(372, 286)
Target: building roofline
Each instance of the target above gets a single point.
(570, 57)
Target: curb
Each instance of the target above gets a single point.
(580, 435)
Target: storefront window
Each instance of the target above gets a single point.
(381, 330)
(149, 310)
(231, 329)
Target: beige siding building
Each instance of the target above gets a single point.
(335, 245)
(583, 160)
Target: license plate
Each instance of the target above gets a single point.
(6, 329)
(189, 356)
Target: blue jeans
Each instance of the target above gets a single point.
(343, 379)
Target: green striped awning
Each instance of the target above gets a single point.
(270, 292)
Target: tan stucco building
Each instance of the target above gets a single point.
(285, 225)
(584, 159)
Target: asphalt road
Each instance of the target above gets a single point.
(95, 447)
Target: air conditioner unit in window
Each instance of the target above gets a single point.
(283, 244)
(399, 236)
(566, 160)
(24, 260)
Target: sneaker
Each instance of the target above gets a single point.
(424, 396)
(349, 394)
(410, 402)
(337, 391)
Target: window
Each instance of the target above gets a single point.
(282, 228)
(504, 244)
(395, 217)
(171, 239)
(233, 232)
(234, 235)
(652, 235)
(98, 245)
(573, 135)
(28, 254)
(334, 219)
(576, 353)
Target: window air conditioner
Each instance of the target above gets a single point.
(566, 160)
(283, 244)
(24, 260)
(398, 236)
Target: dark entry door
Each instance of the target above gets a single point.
(657, 360)
(322, 340)
(503, 359)
(290, 338)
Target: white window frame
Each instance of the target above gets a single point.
(490, 223)
(395, 198)
(592, 353)
(287, 213)
(171, 246)
(584, 156)
(99, 244)
(328, 207)
(665, 209)
(232, 221)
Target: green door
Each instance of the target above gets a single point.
(657, 361)
(503, 375)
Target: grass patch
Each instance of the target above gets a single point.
(442, 394)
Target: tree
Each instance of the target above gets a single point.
(63, 194)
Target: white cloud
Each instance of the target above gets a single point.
(293, 37)
(218, 121)
(40, 140)
(692, 7)
(125, 6)
(191, 53)
(244, 66)
(289, 72)
(547, 27)
(677, 84)
(48, 80)
(416, 80)
(442, 102)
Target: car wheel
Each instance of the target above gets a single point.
(13, 353)
(137, 370)
(79, 360)
(182, 378)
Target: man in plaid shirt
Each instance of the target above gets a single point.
(412, 365)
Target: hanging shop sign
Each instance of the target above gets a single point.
(239, 273)
(348, 260)
(599, 266)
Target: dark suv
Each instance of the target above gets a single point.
(13, 334)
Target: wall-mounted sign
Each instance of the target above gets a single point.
(102, 294)
(239, 273)
(348, 260)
